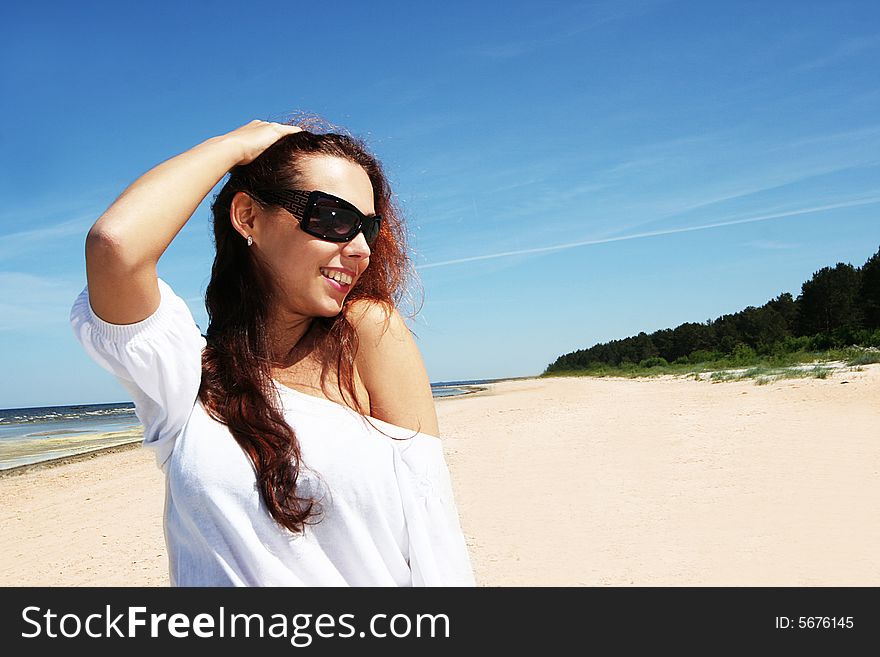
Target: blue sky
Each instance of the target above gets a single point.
(571, 172)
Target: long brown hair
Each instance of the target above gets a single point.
(237, 388)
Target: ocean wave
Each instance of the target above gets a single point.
(55, 416)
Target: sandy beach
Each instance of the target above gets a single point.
(562, 482)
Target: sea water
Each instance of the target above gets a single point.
(32, 435)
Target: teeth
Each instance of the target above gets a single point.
(337, 276)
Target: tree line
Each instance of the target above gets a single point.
(839, 306)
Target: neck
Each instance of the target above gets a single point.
(286, 342)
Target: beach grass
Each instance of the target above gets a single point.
(763, 369)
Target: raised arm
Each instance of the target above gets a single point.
(125, 244)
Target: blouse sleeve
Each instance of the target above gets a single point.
(438, 551)
(158, 360)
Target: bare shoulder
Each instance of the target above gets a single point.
(371, 317)
(391, 367)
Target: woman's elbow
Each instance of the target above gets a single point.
(106, 249)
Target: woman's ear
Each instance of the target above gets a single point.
(243, 212)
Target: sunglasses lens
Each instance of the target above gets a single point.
(371, 229)
(333, 221)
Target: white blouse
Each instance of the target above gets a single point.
(388, 517)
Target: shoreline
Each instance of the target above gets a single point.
(66, 460)
(618, 482)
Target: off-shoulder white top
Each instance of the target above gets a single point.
(388, 517)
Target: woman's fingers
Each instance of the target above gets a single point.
(256, 136)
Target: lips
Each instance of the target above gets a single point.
(342, 276)
(338, 279)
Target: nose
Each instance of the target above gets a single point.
(357, 247)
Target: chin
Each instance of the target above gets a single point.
(330, 309)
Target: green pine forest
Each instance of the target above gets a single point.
(836, 316)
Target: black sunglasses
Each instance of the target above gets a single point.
(323, 215)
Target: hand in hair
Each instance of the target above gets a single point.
(255, 137)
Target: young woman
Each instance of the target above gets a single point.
(298, 435)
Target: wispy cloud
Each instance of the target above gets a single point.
(62, 229)
(774, 176)
(671, 231)
(869, 132)
(418, 128)
(849, 48)
(561, 28)
(747, 189)
(18, 242)
(30, 301)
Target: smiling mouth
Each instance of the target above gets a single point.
(342, 280)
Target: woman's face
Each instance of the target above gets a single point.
(298, 261)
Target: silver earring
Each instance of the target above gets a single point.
(250, 240)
